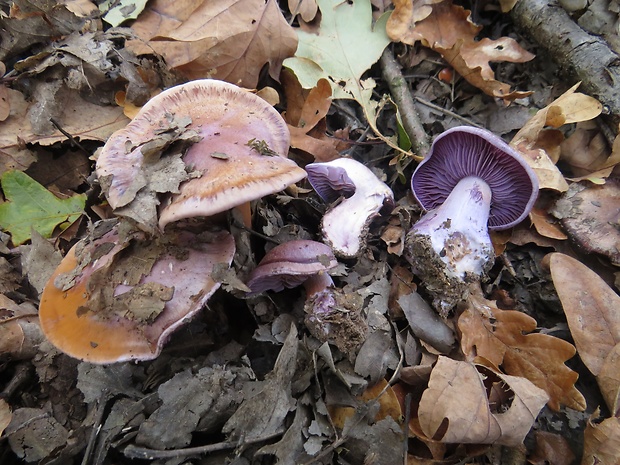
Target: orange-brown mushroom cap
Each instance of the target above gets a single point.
(241, 157)
(72, 322)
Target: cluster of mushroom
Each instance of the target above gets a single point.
(119, 293)
(471, 181)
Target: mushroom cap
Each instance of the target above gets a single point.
(345, 225)
(330, 181)
(467, 151)
(290, 264)
(71, 316)
(241, 157)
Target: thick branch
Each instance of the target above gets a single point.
(581, 56)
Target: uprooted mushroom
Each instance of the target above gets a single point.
(470, 182)
(364, 196)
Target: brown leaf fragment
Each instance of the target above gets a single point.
(39, 260)
(20, 333)
(263, 413)
(468, 403)
(229, 40)
(609, 380)
(35, 434)
(540, 145)
(187, 398)
(449, 30)
(591, 216)
(471, 61)
(506, 339)
(591, 309)
(307, 9)
(5, 415)
(551, 448)
(601, 442)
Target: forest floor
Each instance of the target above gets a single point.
(521, 368)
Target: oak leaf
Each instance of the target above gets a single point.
(506, 339)
(223, 39)
(305, 117)
(473, 404)
(591, 309)
(345, 46)
(539, 140)
(601, 441)
(449, 30)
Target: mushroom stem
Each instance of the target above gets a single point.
(458, 229)
(450, 246)
(317, 283)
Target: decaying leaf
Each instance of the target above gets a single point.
(551, 448)
(229, 40)
(539, 141)
(116, 12)
(5, 415)
(30, 206)
(35, 434)
(469, 403)
(591, 309)
(263, 413)
(590, 215)
(506, 339)
(449, 30)
(608, 380)
(187, 399)
(601, 441)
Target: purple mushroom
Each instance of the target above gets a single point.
(331, 315)
(346, 224)
(470, 182)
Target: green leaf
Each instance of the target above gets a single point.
(346, 46)
(30, 206)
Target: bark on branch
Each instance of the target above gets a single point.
(581, 56)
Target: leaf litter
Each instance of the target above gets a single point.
(247, 380)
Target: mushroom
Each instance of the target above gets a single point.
(330, 315)
(240, 156)
(470, 182)
(346, 224)
(117, 296)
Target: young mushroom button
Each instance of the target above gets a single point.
(240, 155)
(330, 314)
(470, 182)
(346, 224)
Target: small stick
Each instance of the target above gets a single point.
(135, 452)
(74, 142)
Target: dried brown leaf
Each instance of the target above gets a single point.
(591, 309)
(601, 442)
(223, 39)
(551, 448)
(609, 380)
(448, 29)
(537, 143)
(469, 403)
(5, 415)
(307, 123)
(506, 338)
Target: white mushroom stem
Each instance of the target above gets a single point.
(458, 230)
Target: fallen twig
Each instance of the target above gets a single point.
(580, 55)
